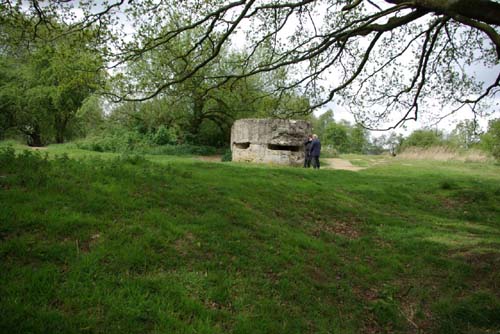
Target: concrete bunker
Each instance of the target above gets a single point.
(277, 141)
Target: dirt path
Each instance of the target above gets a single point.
(210, 158)
(329, 163)
(335, 163)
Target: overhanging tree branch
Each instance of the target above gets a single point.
(347, 44)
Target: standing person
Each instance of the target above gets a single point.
(314, 151)
(307, 148)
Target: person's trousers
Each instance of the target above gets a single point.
(307, 161)
(315, 161)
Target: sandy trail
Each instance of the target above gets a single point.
(336, 163)
(329, 163)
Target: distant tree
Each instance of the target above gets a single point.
(90, 117)
(342, 135)
(336, 134)
(377, 145)
(7, 96)
(384, 143)
(465, 134)
(423, 138)
(25, 103)
(206, 104)
(321, 122)
(50, 78)
(394, 143)
(358, 139)
(389, 57)
(490, 141)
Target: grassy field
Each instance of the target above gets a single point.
(106, 243)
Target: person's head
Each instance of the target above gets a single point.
(310, 137)
(315, 136)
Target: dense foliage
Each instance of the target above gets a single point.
(490, 141)
(52, 87)
(45, 81)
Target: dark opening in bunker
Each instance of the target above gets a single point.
(242, 146)
(283, 147)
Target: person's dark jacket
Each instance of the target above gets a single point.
(307, 146)
(315, 148)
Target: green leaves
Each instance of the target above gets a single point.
(47, 81)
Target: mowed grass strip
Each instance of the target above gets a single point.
(123, 244)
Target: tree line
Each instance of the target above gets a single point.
(54, 88)
(180, 81)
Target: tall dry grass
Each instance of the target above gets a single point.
(444, 153)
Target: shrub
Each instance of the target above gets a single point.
(227, 155)
(164, 136)
(133, 142)
(116, 140)
(423, 138)
(490, 141)
(183, 149)
(7, 155)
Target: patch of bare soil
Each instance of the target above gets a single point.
(345, 229)
(210, 158)
(336, 163)
(84, 246)
(182, 245)
(36, 148)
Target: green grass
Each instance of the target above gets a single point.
(367, 160)
(106, 243)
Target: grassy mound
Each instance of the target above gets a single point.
(130, 245)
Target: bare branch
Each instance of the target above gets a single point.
(352, 5)
(488, 30)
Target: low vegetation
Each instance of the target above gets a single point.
(108, 243)
(445, 153)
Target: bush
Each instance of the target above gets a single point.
(116, 141)
(227, 155)
(164, 136)
(29, 168)
(490, 141)
(122, 141)
(423, 138)
(182, 149)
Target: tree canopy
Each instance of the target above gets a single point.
(387, 61)
(45, 80)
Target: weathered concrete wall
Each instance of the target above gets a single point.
(276, 141)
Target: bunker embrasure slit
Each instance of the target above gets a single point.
(242, 146)
(275, 147)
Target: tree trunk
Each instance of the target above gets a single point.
(61, 123)
(59, 136)
(487, 11)
(197, 119)
(35, 138)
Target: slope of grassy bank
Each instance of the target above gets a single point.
(124, 244)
